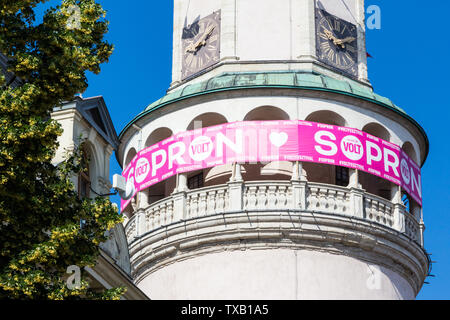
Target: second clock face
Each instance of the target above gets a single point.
(337, 42)
(201, 44)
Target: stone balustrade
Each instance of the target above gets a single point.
(283, 196)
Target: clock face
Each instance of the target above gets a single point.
(201, 44)
(337, 42)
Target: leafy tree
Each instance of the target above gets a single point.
(44, 226)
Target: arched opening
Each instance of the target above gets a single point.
(376, 185)
(206, 120)
(267, 171)
(410, 151)
(130, 155)
(324, 173)
(219, 174)
(321, 173)
(158, 192)
(327, 117)
(158, 135)
(84, 177)
(377, 130)
(369, 182)
(266, 113)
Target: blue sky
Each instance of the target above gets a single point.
(410, 66)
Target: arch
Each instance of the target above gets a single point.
(205, 120)
(278, 168)
(218, 174)
(377, 130)
(130, 155)
(89, 151)
(266, 113)
(327, 117)
(408, 148)
(158, 135)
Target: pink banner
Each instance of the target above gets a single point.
(264, 141)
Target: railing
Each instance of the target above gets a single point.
(412, 227)
(267, 195)
(379, 210)
(326, 198)
(207, 201)
(272, 195)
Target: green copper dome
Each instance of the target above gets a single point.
(287, 79)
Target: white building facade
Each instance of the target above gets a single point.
(275, 230)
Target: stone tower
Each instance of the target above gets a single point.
(312, 229)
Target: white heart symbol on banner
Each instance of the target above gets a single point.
(278, 139)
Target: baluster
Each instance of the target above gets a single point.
(313, 199)
(368, 206)
(289, 198)
(157, 218)
(211, 202)
(164, 213)
(323, 199)
(188, 206)
(262, 197)
(282, 197)
(376, 209)
(272, 196)
(332, 200)
(194, 205)
(202, 204)
(147, 221)
(382, 209)
(220, 205)
(390, 210)
(170, 212)
(340, 205)
(252, 197)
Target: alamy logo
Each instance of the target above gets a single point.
(74, 281)
(374, 280)
(374, 17)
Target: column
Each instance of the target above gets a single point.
(354, 179)
(235, 188)
(399, 208)
(356, 194)
(181, 183)
(143, 199)
(299, 185)
(179, 198)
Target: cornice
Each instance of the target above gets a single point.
(330, 233)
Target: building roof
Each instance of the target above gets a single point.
(94, 110)
(283, 79)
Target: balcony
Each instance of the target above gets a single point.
(289, 199)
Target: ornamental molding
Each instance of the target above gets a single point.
(281, 229)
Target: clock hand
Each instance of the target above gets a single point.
(330, 35)
(202, 41)
(341, 42)
(193, 48)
